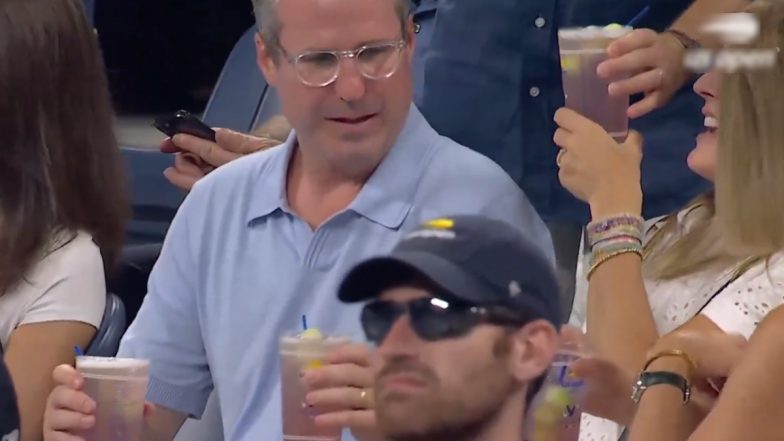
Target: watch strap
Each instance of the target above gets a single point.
(649, 379)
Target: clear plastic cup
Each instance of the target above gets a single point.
(296, 355)
(556, 409)
(582, 50)
(118, 386)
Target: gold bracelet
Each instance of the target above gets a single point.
(636, 250)
(673, 353)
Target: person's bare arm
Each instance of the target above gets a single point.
(33, 351)
(661, 414)
(619, 320)
(749, 406)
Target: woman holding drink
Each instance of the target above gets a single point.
(716, 265)
(62, 194)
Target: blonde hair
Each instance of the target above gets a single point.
(743, 223)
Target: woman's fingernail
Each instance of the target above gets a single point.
(89, 406)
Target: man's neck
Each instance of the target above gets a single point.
(506, 426)
(317, 191)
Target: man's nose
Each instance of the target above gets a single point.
(400, 340)
(350, 84)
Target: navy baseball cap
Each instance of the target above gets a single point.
(475, 259)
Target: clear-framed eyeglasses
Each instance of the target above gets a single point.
(375, 61)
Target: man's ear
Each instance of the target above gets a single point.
(266, 60)
(411, 36)
(532, 351)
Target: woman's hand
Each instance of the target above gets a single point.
(607, 387)
(595, 168)
(715, 354)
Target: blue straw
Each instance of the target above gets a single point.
(638, 17)
(78, 351)
(304, 322)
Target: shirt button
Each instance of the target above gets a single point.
(534, 91)
(540, 22)
(417, 28)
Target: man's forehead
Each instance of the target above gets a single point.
(337, 24)
(334, 11)
(404, 293)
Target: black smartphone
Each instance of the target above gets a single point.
(184, 122)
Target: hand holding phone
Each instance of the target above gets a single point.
(182, 122)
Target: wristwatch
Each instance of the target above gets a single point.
(649, 379)
(687, 42)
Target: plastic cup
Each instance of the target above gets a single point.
(299, 353)
(555, 412)
(582, 50)
(118, 386)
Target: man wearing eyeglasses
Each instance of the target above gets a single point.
(267, 238)
(464, 314)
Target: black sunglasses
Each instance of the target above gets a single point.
(433, 318)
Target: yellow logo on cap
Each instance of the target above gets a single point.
(441, 224)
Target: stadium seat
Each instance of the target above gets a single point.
(89, 9)
(112, 328)
(240, 90)
(239, 100)
(154, 199)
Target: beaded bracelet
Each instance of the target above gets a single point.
(624, 224)
(612, 237)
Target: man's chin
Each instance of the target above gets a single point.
(402, 420)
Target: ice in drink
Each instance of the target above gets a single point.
(582, 50)
(118, 387)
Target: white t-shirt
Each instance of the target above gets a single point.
(737, 309)
(66, 285)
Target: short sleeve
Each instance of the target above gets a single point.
(67, 285)
(167, 328)
(745, 302)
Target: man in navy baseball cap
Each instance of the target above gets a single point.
(464, 312)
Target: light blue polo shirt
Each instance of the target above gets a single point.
(239, 268)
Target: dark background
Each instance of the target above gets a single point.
(167, 54)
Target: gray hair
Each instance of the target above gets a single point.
(270, 27)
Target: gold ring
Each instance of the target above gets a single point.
(365, 396)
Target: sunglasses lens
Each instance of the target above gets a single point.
(377, 319)
(435, 319)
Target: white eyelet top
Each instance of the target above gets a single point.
(737, 309)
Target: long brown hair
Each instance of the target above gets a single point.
(743, 223)
(60, 167)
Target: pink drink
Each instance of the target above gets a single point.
(118, 386)
(582, 50)
(296, 355)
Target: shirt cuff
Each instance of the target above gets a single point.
(177, 398)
